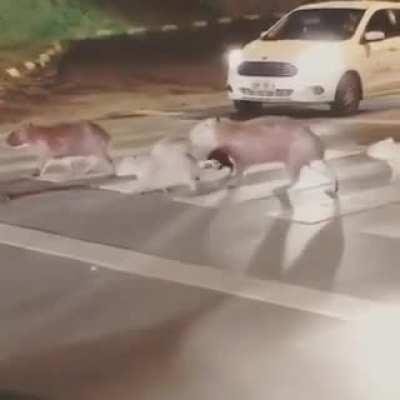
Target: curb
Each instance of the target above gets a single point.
(41, 61)
(199, 24)
(45, 57)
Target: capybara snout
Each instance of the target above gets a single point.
(16, 138)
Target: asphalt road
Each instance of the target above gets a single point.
(226, 295)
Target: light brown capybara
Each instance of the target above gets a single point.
(241, 144)
(83, 138)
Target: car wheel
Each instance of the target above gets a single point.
(243, 106)
(348, 95)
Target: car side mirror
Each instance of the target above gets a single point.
(374, 36)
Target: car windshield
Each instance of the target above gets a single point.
(317, 24)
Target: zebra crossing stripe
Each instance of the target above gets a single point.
(323, 208)
(22, 162)
(309, 180)
(333, 305)
(29, 162)
(326, 208)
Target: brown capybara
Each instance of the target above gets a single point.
(241, 144)
(81, 138)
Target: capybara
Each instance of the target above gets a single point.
(241, 144)
(81, 138)
(168, 164)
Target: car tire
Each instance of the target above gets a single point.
(247, 107)
(347, 96)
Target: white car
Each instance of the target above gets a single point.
(335, 53)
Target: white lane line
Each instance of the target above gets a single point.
(331, 154)
(389, 229)
(309, 180)
(27, 165)
(341, 152)
(169, 28)
(252, 17)
(8, 154)
(104, 32)
(225, 20)
(327, 304)
(140, 30)
(14, 72)
(260, 190)
(368, 121)
(24, 160)
(326, 208)
(200, 24)
(30, 66)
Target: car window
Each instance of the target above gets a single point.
(383, 21)
(395, 15)
(317, 24)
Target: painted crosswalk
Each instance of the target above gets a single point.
(260, 182)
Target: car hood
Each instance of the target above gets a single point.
(287, 50)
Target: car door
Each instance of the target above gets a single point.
(379, 57)
(394, 48)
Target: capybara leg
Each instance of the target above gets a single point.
(42, 166)
(110, 162)
(293, 170)
(235, 178)
(91, 162)
(326, 170)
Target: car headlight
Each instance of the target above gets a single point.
(234, 57)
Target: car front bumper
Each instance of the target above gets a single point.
(281, 89)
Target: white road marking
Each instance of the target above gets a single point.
(325, 208)
(267, 188)
(104, 32)
(169, 28)
(58, 47)
(331, 154)
(44, 59)
(139, 30)
(13, 72)
(144, 140)
(252, 17)
(334, 153)
(327, 304)
(30, 66)
(389, 229)
(158, 112)
(225, 20)
(27, 165)
(200, 24)
(373, 121)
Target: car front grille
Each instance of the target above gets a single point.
(262, 68)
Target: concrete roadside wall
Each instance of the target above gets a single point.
(240, 7)
(24, 21)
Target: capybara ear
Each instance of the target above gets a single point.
(9, 138)
(218, 119)
(12, 139)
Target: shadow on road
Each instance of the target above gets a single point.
(318, 257)
(133, 359)
(14, 395)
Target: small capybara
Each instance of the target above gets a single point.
(81, 138)
(241, 144)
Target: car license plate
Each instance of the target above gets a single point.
(260, 89)
(259, 86)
